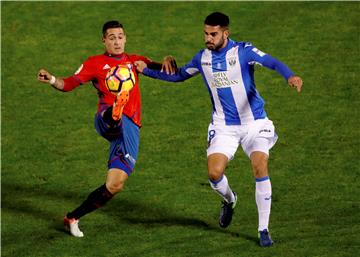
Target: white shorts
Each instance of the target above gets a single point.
(256, 136)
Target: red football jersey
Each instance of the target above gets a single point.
(94, 69)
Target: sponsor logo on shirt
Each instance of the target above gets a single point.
(220, 79)
(206, 64)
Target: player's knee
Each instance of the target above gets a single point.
(115, 180)
(215, 172)
(115, 187)
(216, 166)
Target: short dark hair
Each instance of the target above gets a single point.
(217, 18)
(111, 25)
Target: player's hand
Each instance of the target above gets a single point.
(296, 82)
(44, 76)
(169, 65)
(140, 66)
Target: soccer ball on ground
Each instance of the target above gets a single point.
(120, 77)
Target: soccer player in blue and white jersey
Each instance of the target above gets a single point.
(238, 115)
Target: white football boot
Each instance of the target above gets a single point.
(73, 226)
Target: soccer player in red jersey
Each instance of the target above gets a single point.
(118, 118)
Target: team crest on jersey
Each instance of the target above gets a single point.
(232, 61)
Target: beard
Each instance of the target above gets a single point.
(215, 47)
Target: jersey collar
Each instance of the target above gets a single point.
(117, 56)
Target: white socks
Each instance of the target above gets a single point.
(263, 201)
(222, 187)
(262, 197)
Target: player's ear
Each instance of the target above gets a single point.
(227, 33)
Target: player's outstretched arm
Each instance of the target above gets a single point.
(168, 65)
(46, 77)
(179, 76)
(296, 82)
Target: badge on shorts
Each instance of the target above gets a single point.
(211, 135)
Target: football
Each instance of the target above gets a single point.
(120, 77)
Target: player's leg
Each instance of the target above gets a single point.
(217, 163)
(108, 119)
(263, 191)
(258, 152)
(96, 199)
(115, 180)
(106, 126)
(123, 153)
(121, 99)
(259, 163)
(221, 148)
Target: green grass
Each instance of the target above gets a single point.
(52, 157)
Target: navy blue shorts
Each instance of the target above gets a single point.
(124, 142)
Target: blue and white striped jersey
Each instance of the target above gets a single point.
(229, 77)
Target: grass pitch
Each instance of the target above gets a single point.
(52, 157)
